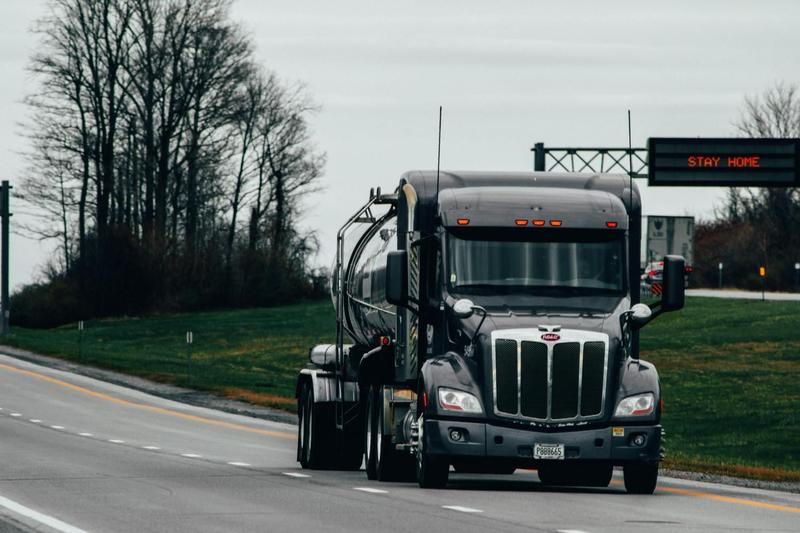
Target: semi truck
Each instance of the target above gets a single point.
(489, 321)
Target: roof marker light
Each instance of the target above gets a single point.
(611, 224)
(538, 222)
(462, 221)
(521, 222)
(555, 222)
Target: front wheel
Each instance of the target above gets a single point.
(432, 471)
(641, 477)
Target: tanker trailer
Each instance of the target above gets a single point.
(489, 321)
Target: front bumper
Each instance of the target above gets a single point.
(487, 441)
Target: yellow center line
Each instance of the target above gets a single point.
(151, 408)
(726, 499)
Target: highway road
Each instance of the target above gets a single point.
(744, 295)
(77, 454)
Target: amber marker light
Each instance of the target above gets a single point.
(611, 224)
(555, 223)
(538, 222)
(521, 222)
(462, 221)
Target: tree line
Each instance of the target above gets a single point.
(168, 165)
(756, 226)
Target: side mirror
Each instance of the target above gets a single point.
(397, 278)
(641, 314)
(463, 308)
(673, 293)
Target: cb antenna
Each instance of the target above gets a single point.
(630, 170)
(439, 152)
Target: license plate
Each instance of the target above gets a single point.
(548, 451)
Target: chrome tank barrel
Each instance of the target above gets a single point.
(367, 314)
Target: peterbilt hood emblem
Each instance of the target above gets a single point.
(550, 336)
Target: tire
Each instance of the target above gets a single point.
(306, 446)
(313, 432)
(641, 477)
(432, 471)
(383, 462)
(370, 435)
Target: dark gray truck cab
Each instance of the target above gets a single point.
(493, 322)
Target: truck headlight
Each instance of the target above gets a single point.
(456, 400)
(639, 405)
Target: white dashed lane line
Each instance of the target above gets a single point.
(461, 509)
(191, 455)
(371, 490)
(571, 531)
(16, 414)
(295, 474)
(35, 421)
(85, 434)
(237, 463)
(116, 441)
(151, 448)
(49, 521)
(56, 427)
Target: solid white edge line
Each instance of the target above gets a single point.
(461, 509)
(48, 521)
(295, 474)
(371, 490)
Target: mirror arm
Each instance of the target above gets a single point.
(478, 309)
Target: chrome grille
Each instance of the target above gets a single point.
(559, 381)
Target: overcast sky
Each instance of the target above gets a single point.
(508, 73)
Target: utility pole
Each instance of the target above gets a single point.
(5, 217)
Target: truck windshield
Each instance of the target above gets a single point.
(541, 261)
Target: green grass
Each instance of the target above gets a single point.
(728, 369)
(729, 372)
(251, 354)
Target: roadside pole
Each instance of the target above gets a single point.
(80, 340)
(797, 276)
(720, 275)
(762, 273)
(5, 215)
(189, 341)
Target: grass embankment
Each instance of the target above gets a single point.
(250, 354)
(728, 369)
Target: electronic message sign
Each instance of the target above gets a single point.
(724, 162)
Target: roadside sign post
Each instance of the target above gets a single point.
(80, 340)
(720, 275)
(5, 215)
(189, 341)
(797, 276)
(762, 273)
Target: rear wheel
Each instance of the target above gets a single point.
(641, 477)
(309, 440)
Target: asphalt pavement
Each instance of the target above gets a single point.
(744, 295)
(78, 454)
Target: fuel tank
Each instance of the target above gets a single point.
(365, 312)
